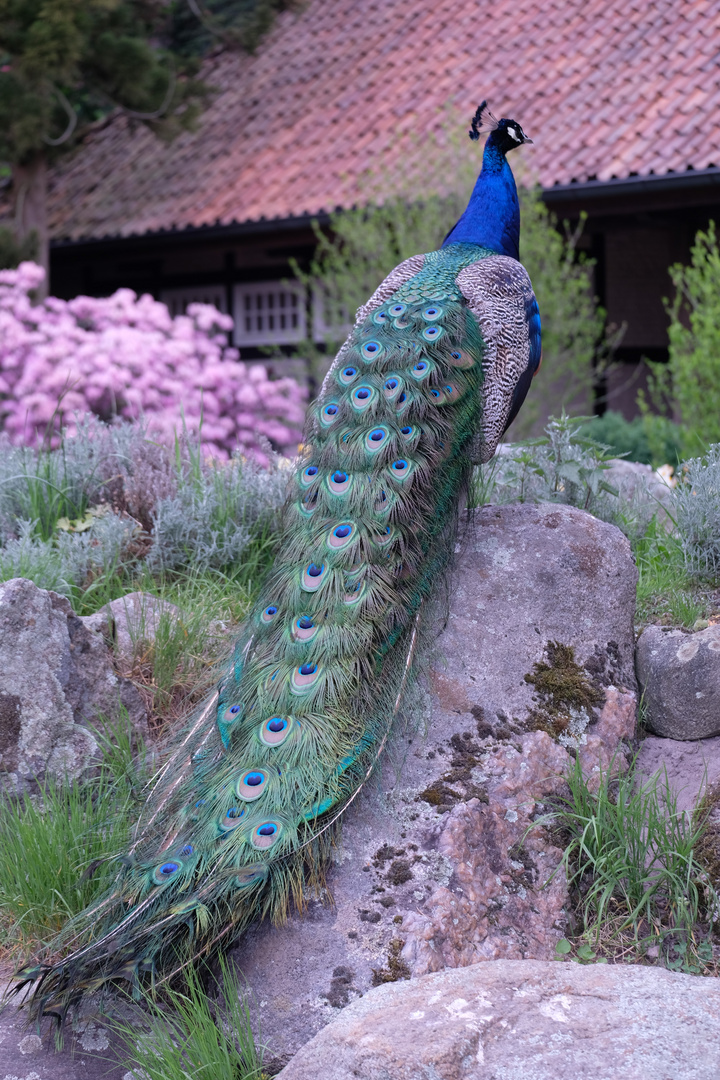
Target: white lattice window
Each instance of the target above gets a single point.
(330, 323)
(177, 300)
(269, 313)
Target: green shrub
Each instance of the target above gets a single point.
(691, 379)
(642, 439)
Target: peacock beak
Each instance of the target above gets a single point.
(526, 140)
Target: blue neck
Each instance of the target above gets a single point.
(492, 217)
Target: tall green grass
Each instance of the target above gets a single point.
(48, 840)
(631, 863)
(186, 1036)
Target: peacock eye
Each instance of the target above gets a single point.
(371, 349)
(397, 310)
(432, 333)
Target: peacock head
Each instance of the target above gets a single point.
(505, 134)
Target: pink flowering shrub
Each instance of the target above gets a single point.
(126, 356)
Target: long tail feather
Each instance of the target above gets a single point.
(241, 816)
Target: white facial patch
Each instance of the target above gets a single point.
(513, 134)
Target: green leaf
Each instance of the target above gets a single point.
(563, 947)
(604, 486)
(586, 953)
(570, 471)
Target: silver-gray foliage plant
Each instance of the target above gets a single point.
(697, 502)
(67, 560)
(216, 510)
(563, 466)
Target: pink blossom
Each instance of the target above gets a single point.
(126, 356)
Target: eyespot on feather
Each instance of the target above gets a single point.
(348, 375)
(376, 439)
(269, 613)
(392, 387)
(329, 414)
(341, 535)
(231, 714)
(166, 870)
(421, 369)
(304, 629)
(304, 678)
(432, 333)
(459, 359)
(309, 475)
(383, 539)
(264, 836)
(379, 318)
(313, 576)
(432, 312)
(362, 397)
(251, 785)
(371, 350)
(309, 504)
(401, 469)
(232, 818)
(276, 730)
(252, 874)
(396, 310)
(339, 482)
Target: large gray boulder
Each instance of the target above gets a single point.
(680, 678)
(524, 1020)
(433, 869)
(56, 680)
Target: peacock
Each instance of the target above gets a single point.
(241, 815)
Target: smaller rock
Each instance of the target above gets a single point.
(690, 767)
(31, 1044)
(680, 677)
(136, 620)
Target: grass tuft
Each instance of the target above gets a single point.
(633, 867)
(48, 841)
(186, 1035)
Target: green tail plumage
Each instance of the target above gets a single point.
(240, 817)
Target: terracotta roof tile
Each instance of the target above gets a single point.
(344, 89)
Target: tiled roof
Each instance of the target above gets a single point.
(348, 89)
